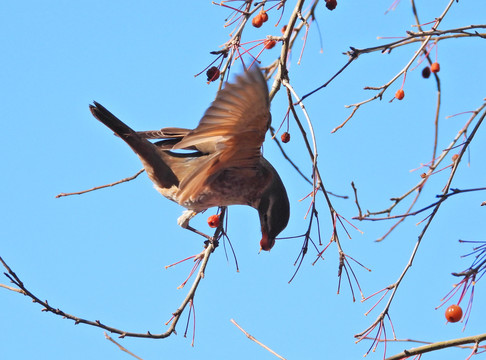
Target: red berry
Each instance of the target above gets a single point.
(213, 221)
(266, 244)
(284, 29)
(453, 313)
(269, 44)
(331, 4)
(400, 94)
(426, 72)
(454, 157)
(285, 137)
(212, 74)
(264, 15)
(257, 21)
(435, 67)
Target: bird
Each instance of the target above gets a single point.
(224, 165)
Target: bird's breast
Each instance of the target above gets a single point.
(231, 187)
(240, 186)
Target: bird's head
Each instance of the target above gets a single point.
(274, 211)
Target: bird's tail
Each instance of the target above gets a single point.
(151, 157)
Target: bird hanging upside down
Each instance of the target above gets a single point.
(226, 166)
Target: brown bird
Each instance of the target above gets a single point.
(225, 167)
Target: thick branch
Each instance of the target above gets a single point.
(476, 339)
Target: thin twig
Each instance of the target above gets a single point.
(255, 340)
(431, 167)
(121, 347)
(356, 199)
(102, 186)
(424, 39)
(443, 198)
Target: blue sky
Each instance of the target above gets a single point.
(102, 255)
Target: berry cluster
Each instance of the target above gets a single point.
(434, 68)
(259, 19)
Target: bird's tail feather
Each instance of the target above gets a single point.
(152, 157)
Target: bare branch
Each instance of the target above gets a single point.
(97, 323)
(395, 286)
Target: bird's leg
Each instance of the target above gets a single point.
(198, 232)
(183, 221)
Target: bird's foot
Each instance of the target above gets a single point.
(215, 243)
(210, 240)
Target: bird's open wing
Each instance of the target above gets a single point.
(231, 131)
(241, 111)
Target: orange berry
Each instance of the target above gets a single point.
(285, 137)
(400, 94)
(455, 157)
(284, 29)
(266, 244)
(264, 15)
(435, 67)
(423, 175)
(212, 73)
(453, 313)
(257, 21)
(269, 44)
(331, 4)
(426, 72)
(213, 221)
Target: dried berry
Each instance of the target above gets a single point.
(212, 74)
(264, 16)
(435, 67)
(400, 94)
(213, 221)
(423, 175)
(284, 29)
(331, 4)
(285, 137)
(455, 157)
(426, 72)
(257, 21)
(453, 313)
(269, 44)
(266, 243)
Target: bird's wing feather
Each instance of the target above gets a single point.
(239, 110)
(165, 133)
(232, 131)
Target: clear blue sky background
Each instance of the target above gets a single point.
(102, 255)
